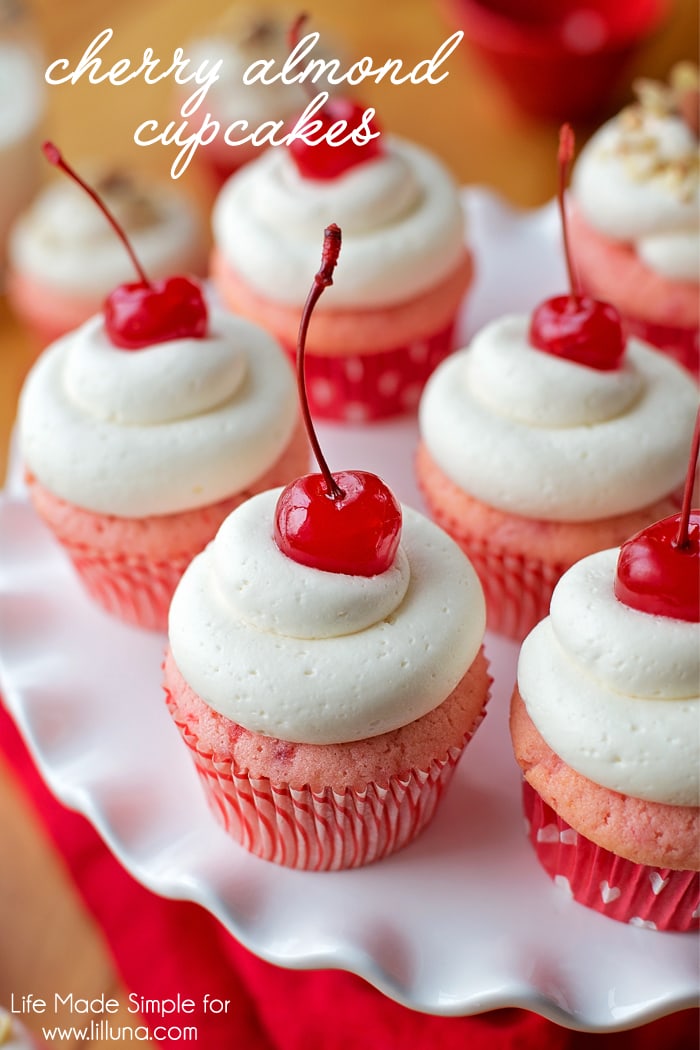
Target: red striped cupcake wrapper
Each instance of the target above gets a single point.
(640, 895)
(135, 588)
(517, 588)
(320, 830)
(354, 388)
(682, 344)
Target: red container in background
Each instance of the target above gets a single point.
(558, 58)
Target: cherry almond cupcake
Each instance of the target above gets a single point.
(604, 721)
(391, 316)
(636, 215)
(548, 438)
(142, 429)
(325, 666)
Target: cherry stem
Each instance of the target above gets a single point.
(293, 39)
(324, 277)
(682, 539)
(564, 159)
(53, 155)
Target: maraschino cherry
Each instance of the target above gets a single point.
(576, 326)
(143, 312)
(343, 115)
(347, 522)
(658, 570)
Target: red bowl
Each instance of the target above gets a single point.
(558, 58)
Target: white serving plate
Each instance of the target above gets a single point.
(460, 922)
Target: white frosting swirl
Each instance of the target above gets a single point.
(614, 691)
(402, 223)
(170, 427)
(641, 184)
(542, 437)
(65, 241)
(332, 658)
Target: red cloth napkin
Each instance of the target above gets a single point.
(162, 947)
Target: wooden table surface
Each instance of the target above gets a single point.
(48, 941)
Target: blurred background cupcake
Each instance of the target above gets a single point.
(64, 258)
(242, 35)
(21, 113)
(636, 215)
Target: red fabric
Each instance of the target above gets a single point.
(162, 947)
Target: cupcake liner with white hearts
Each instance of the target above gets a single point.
(653, 897)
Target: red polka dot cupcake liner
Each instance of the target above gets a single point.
(355, 388)
(637, 894)
(135, 588)
(681, 344)
(325, 830)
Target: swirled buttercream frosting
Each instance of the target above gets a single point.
(318, 657)
(539, 436)
(402, 223)
(171, 427)
(613, 690)
(638, 181)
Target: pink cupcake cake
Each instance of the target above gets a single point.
(390, 318)
(636, 215)
(548, 438)
(142, 429)
(604, 721)
(64, 259)
(325, 668)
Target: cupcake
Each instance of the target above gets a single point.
(391, 316)
(636, 215)
(64, 259)
(548, 438)
(325, 669)
(604, 722)
(243, 36)
(142, 429)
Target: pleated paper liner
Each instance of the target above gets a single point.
(655, 898)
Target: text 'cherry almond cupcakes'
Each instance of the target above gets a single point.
(548, 438)
(392, 313)
(636, 215)
(325, 665)
(604, 721)
(141, 430)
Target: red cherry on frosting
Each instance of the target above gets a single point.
(144, 312)
(656, 575)
(326, 161)
(356, 532)
(575, 326)
(138, 315)
(658, 570)
(348, 522)
(579, 328)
